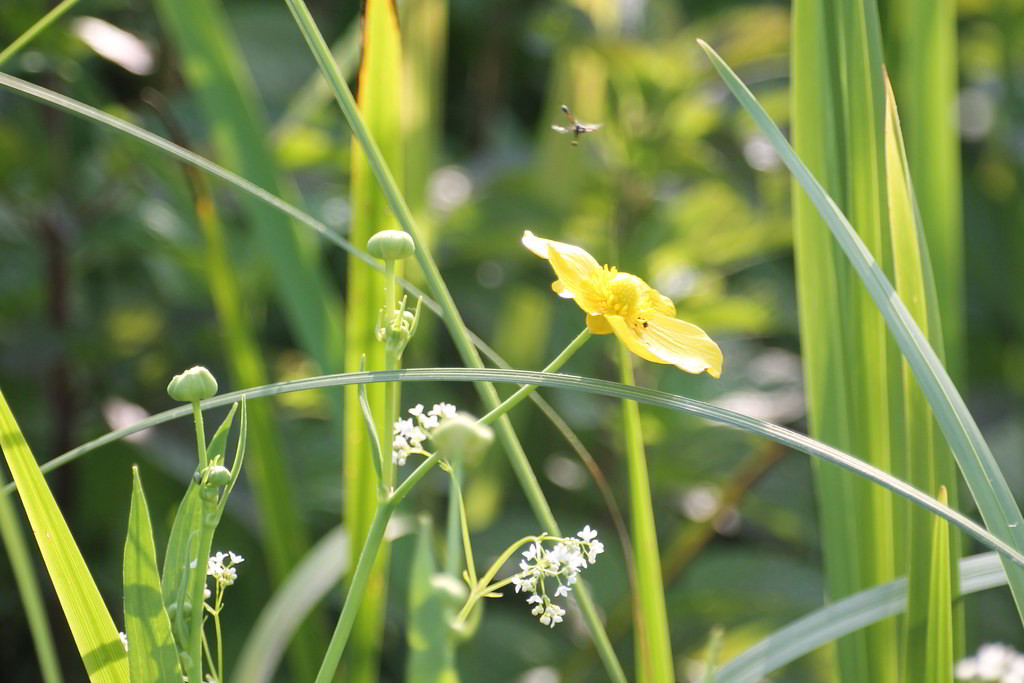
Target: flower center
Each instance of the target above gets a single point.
(624, 291)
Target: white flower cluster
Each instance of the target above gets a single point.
(562, 563)
(124, 640)
(221, 566)
(410, 433)
(994, 662)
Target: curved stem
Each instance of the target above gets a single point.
(367, 558)
(524, 391)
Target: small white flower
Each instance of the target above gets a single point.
(587, 534)
(416, 410)
(531, 553)
(430, 422)
(994, 662)
(534, 600)
(124, 640)
(562, 591)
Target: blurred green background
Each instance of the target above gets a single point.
(104, 294)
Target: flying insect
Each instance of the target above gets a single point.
(577, 128)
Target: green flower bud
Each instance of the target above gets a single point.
(391, 245)
(461, 436)
(194, 384)
(218, 475)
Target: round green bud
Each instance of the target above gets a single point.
(194, 384)
(218, 475)
(461, 436)
(391, 245)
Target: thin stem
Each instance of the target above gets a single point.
(220, 641)
(197, 414)
(524, 391)
(357, 588)
(464, 529)
(653, 644)
(452, 556)
(367, 557)
(36, 28)
(208, 653)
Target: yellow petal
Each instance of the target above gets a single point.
(578, 272)
(624, 331)
(559, 288)
(660, 303)
(598, 324)
(682, 344)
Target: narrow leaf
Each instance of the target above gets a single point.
(925, 462)
(152, 655)
(808, 633)
(380, 80)
(939, 643)
(28, 589)
(980, 470)
(91, 625)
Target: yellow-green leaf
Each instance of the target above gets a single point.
(152, 655)
(91, 625)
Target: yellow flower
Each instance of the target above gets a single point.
(640, 316)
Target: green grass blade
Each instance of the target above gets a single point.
(431, 641)
(874, 380)
(927, 80)
(35, 29)
(977, 573)
(821, 281)
(452, 317)
(939, 654)
(987, 484)
(931, 464)
(380, 76)
(312, 579)
(651, 638)
(28, 589)
(152, 655)
(91, 625)
(588, 385)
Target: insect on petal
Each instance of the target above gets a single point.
(682, 344)
(628, 336)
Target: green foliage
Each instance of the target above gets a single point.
(152, 654)
(114, 273)
(94, 632)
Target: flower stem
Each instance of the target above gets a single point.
(197, 414)
(367, 558)
(653, 644)
(516, 398)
